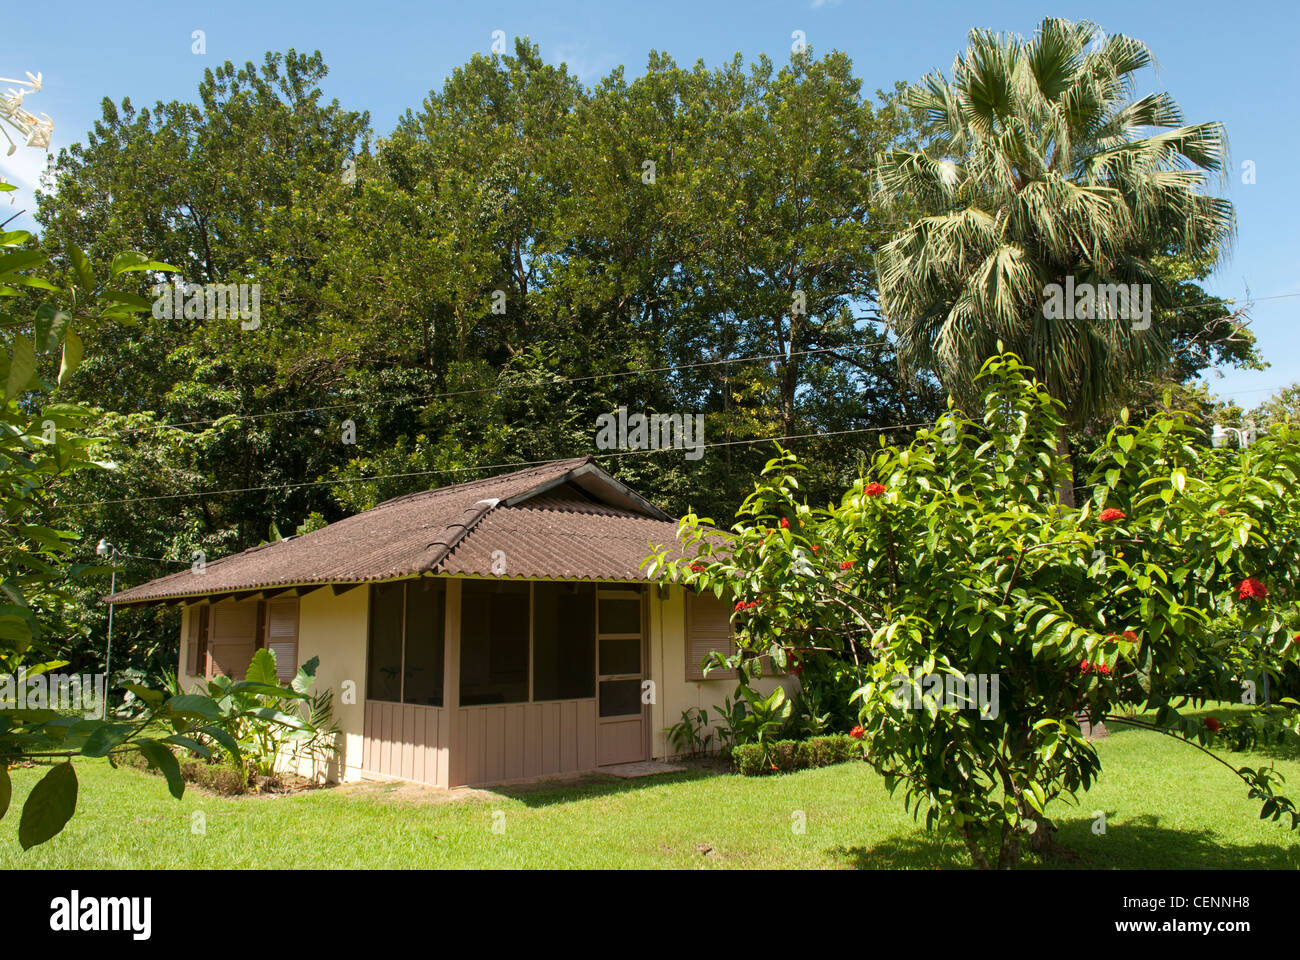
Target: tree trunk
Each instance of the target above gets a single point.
(972, 846)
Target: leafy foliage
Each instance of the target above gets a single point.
(953, 559)
(1047, 169)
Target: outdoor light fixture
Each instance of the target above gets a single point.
(1245, 437)
(106, 549)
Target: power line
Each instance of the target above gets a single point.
(139, 556)
(352, 405)
(492, 466)
(500, 387)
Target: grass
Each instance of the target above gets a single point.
(1166, 806)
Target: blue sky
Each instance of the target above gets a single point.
(1234, 62)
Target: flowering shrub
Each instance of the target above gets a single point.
(956, 561)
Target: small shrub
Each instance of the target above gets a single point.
(748, 759)
(222, 778)
(782, 756)
(690, 736)
(824, 751)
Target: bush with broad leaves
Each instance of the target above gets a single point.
(953, 562)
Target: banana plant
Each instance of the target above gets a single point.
(266, 718)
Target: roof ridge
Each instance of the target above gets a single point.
(575, 461)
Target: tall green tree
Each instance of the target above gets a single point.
(1046, 169)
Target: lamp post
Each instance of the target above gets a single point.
(1245, 437)
(106, 549)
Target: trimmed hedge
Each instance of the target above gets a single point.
(782, 756)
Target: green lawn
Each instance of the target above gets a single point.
(1166, 806)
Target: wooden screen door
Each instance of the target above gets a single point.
(622, 719)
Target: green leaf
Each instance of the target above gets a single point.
(192, 703)
(133, 300)
(50, 324)
(161, 758)
(49, 806)
(258, 689)
(22, 368)
(306, 676)
(189, 743)
(153, 698)
(222, 737)
(20, 260)
(72, 350)
(81, 264)
(262, 669)
(133, 261)
(105, 738)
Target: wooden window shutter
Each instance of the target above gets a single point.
(282, 636)
(192, 641)
(232, 637)
(708, 628)
(204, 661)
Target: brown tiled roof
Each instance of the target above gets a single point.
(562, 520)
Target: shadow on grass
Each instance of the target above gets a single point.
(1143, 844)
(917, 851)
(1140, 844)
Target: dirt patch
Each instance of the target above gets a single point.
(402, 791)
(284, 785)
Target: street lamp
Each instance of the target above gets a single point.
(106, 549)
(1245, 437)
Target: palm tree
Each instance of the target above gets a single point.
(1046, 171)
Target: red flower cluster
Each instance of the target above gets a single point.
(846, 564)
(858, 732)
(1251, 589)
(1214, 725)
(1111, 514)
(785, 524)
(1129, 635)
(1101, 668)
(696, 567)
(743, 605)
(874, 489)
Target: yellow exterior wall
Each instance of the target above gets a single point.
(673, 691)
(334, 629)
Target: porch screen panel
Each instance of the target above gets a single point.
(493, 642)
(425, 605)
(564, 641)
(384, 659)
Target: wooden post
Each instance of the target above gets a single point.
(451, 765)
